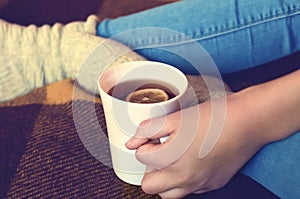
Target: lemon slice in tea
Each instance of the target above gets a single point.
(147, 95)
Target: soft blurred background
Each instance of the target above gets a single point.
(39, 12)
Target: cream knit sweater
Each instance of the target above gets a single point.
(34, 56)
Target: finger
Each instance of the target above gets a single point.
(154, 145)
(153, 129)
(174, 193)
(134, 142)
(158, 127)
(166, 185)
(156, 155)
(141, 138)
(158, 181)
(181, 130)
(201, 191)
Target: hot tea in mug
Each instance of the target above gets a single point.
(143, 91)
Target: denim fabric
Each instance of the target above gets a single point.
(237, 34)
(277, 167)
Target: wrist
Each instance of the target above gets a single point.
(246, 111)
(272, 108)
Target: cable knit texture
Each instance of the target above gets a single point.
(34, 56)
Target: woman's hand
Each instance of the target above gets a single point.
(176, 176)
(251, 121)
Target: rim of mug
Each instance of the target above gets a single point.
(180, 73)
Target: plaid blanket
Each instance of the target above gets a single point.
(42, 155)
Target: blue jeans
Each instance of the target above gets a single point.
(237, 34)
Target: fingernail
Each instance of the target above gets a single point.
(129, 143)
(145, 123)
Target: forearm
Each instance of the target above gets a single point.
(272, 109)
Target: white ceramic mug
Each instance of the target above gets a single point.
(122, 117)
